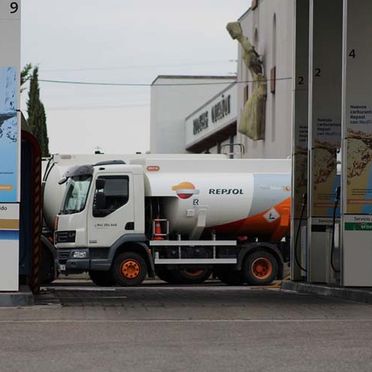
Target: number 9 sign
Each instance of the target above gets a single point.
(13, 7)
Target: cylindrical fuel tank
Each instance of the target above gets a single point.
(233, 203)
(53, 193)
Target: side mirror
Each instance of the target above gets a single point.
(62, 180)
(100, 184)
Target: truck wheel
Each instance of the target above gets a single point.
(102, 278)
(191, 276)
(165, 275)
(260, 268)
(129, 269)
(47, 270)
(230, 277)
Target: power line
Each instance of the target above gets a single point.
(72, 82)
(134, 66)
(98, 107)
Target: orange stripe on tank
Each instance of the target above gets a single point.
(258, 225)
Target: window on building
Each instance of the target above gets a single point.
(273, 78)
(273, 58)
(246, 93)
(231, 156)
(255, 40)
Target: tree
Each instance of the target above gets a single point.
(36, 113)
(25, 75)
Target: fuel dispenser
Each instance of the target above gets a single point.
(356, 221)
(336, 216)
(317, 140)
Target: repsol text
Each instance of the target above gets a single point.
(226, 192)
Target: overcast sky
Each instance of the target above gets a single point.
(119, 41)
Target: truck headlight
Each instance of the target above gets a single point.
(80, 254)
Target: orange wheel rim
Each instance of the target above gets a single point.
(193, 272)
(130, 269)
(262, 268)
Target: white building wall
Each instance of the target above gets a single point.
(259, 26)
(171, 104)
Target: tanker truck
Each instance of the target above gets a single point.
(53, 169)
(180, 218)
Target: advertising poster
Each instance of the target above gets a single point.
(326, 144)
(359, 159)
(326, 106)
(8, 135)
(300, 169)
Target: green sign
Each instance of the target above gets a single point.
(358, 226)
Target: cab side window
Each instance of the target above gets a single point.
(115, 194)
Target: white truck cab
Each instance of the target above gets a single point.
(105, 206)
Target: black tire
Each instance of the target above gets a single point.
(129, 269)
(230, 277)
(166, 275)
(191, 276)
(260, 268)
(102, 278)
(47, 269)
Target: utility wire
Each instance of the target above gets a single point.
(97, 107)
(72, 82)
(134, 66)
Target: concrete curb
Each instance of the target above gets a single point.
(353, 294)
(13, 299)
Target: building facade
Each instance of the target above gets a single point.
(177, 102)
(269, 26)
(212, 128)
(173, 98)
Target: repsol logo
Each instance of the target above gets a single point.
(226, 192)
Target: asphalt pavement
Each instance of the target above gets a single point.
(156, 327)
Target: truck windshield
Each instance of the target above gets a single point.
(76, 194)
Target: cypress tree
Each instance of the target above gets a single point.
(36, 113)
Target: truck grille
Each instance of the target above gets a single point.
(65, 236)
(63, 255)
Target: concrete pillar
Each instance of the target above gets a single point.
(9, 143)
(325, 68)
(357, 144)
(300, 138)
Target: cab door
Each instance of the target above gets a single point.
(113, 209)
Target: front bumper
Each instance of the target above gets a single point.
(68, 263)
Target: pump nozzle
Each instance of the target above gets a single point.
(338, 193)
(337, 199)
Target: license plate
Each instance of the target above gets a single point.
(62, 267)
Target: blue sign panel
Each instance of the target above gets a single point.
(8, 134)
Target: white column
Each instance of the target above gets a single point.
(357, 144)
(10, 19)
(300, 138)
(325, 67)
